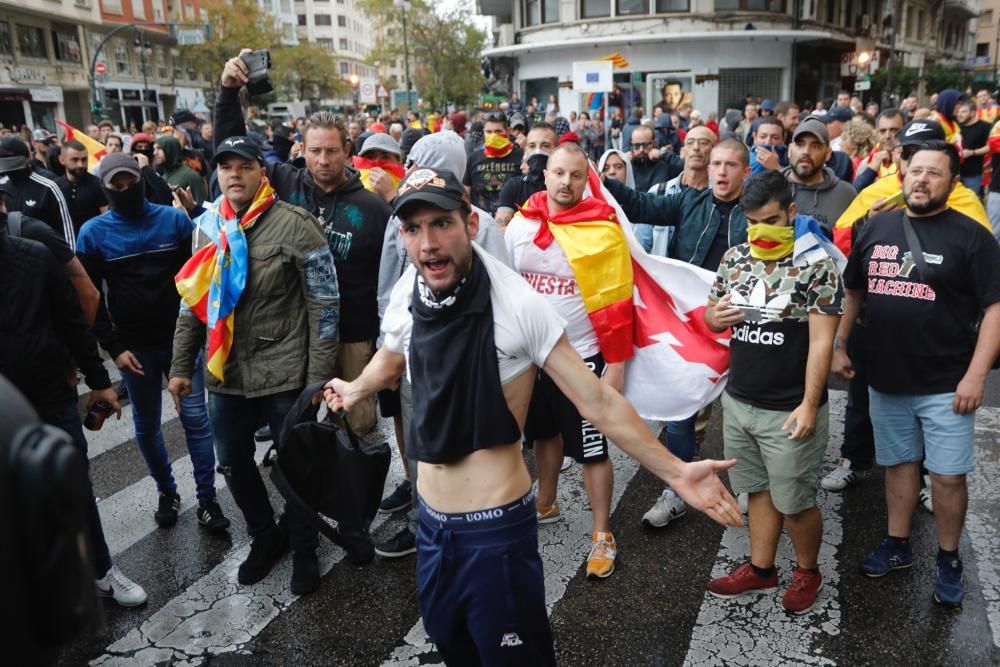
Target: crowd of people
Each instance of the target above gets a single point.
(468, 276)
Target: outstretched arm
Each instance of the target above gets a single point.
(697, 483)
(382, 372)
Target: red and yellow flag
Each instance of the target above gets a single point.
(595, 246)
(617, 60)
(365, 166)
(497, 146)
(95, 149)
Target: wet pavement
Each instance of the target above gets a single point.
(652, 611)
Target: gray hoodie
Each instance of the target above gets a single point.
(825, 201)
(445, 151)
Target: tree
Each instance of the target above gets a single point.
(305, 71)
(444, 44)
(235, 24)
(939, 77)
(904, 80)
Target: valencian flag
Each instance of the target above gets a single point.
(365, 166)
(95, 149)
(619, 62)
(212, 281)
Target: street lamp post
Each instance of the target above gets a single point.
(354, 92)
(142, 46)
(403, 6)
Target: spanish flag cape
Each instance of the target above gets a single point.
(212, 281)
(365, 166)
(952, 130)
(962, 199)
(95, 149)
(599, 255)
(497, 145)
(884, 169)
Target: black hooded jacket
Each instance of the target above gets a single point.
(353, 221)
(42, 326)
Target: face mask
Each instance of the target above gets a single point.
(148, 152)
(498, 145)
(130, 203)
(768, 242)
(537, 164)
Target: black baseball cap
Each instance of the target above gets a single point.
(14, 154)
(918, 131)
(843, 114)
(7, 185)
(184, 116)
(430, 186)
(245, 147)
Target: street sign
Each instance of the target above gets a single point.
(190, 37)
(367, 90)
(382, 92)
(100, 68)
(593, 76)
(862, 85)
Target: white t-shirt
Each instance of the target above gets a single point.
(525, 327)
(550, 274)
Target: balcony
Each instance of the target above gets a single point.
(502, 9)
(963, 9)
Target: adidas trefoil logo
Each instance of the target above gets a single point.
(29, 202)
(769, 309)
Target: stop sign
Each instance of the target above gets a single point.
(99, 68)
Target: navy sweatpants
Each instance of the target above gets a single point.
(481, 588)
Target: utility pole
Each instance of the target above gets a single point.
(403, 5)
(887, 92)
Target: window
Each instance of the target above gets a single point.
(139, 10)
(734, 83)
(343, 68)
(342, 21)
(321, 19)
(982, 49)
(302, 19)
(986, 18)
(751, 5)
(664, 6)
(627, 7)
(286, 6)
(920, 25)
(192, 71)
(909, 22)
(178, 68)
(6, 43)
(325, 43)
(343, 44)
(831, 11)
(161, 63)
(122, 63)
(66, 47)
(112, 6)
(31, 41)
(537, 12)
(595, 8)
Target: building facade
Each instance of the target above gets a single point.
(987, 44)
(345, 31)
(718, 51)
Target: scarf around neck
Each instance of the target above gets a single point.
(212, 281)
(598, 253)
(458, 402)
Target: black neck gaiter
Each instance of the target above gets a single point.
(458, 402)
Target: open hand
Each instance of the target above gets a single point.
(699, 485)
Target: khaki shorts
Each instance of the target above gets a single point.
(766, 460)
(351, 360)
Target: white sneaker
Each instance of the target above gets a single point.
(116, 585)
(841, 477)
(926, 497)
(566, 464)
(743, 500)
(667, 507)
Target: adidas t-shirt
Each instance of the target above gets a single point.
(767, 364)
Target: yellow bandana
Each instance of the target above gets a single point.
(769, 242)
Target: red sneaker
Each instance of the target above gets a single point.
(800, 598)
(742, 581)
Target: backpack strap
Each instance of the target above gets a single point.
(14, 223)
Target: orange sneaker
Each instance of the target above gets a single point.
(548, 513)
(601, 561)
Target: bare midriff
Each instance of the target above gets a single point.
(486, 478)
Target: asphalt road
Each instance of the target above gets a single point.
(652, 611)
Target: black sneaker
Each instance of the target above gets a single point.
(263, 434)
(210, 515)
(305, 573)
(265, 551)
(166, 512)
(399, 499)
(402, 544)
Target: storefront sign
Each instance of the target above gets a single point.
(47, 94)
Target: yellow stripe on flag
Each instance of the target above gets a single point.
(600, 259)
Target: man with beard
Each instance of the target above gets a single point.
(81, 189)
(136, 248)
(975, 134)
(924, 274)
(539, 143)
(817, 191)
(169, 157)
(646, 170)
(471, 335)
(768, 150)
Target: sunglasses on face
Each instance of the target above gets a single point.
(642, 146)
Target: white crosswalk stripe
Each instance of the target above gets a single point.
(214, 615)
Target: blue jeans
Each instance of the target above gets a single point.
(145, 393)
(679, 439)
(68, 419)
(234, 419)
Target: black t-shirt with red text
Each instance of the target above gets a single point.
(920, 338)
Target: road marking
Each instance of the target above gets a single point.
(127, 516)
(117, 432)
(984, 508)
(757, 630)
(564, 547)
(216, 614)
